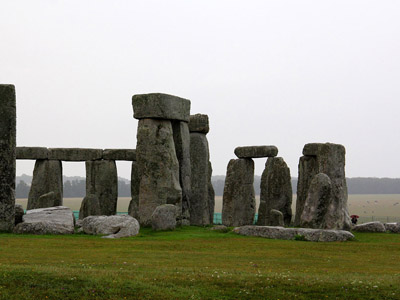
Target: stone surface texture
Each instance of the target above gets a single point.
(75, 154)
(312, 235)
(199, 123)
(317, 202)
(19, 213)
(112, 226)
(47, 185)
(370, 227)
(393, 227)
(199, 200)
(182, 148)
(330, 160)
(158, 167)
(90, 206)
(32, 153)
(239, 202)
(7, 156)
(276, 192)
(133, 209)
(211, 194)
(276, 218)
(50, 220)
(119, 154)
(164, 217)
(102, 181)
(256, 151)
(160, 106)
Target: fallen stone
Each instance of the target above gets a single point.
(370, 227)
(113, 226)
(392, 227)
(90, 206)
(306, 234)
(276, 192)
(102, 181)
(32, 153)
(133, 209)
(164, 217)
(47, 185)
(7, 156)
(75, 154)
(276, 218)
(256, 151)
(199, 123)
(318, 200)
(50, 220)
(238, 201)
(158, 168)
(160, 106)
(19, 213)
(119, 154)
(220, 228)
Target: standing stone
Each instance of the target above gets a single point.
(158, 168)
(133, 209)
(199, 200)
(330, 160)
(102, 182)
(276, 192)
(164, 217)
(239, 202)
(317, 202)
(308, 168)
(47, 185)
(211, 194)
(182, 148)
(90, 206)
(7, 156)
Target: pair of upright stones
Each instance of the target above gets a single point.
(239, 205)
(322, 190)
(172, 160)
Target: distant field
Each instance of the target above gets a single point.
(381, 207)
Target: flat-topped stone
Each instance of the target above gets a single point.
(256, 151)
(199, 123)
(315, 149)
(306, 234)
(32, 153)
(375, 226)
(119, 154)
(160, 106)
(75, 154)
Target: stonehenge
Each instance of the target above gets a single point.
(7, 156)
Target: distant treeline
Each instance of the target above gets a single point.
(76, 186)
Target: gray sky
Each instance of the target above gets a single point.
(281, 73)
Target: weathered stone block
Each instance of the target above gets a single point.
(32, 153)
(7, 156)
(370, 227)
(75, 154)
(276, 192)
(90, 206)
(115, 226)
(102, 181)
(256, 151)
(211, 194)
(275, 218)
(161, 106)
(239, 202)
(199, 123)
(19, 213)
(164, 217)
(158, 168)
(133, 209)
(47, 185)
(119, 154)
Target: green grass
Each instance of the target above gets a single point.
(196, 263)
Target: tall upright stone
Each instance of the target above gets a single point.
(276, 192)
(47, 185)
(328, 159)
(7, 156)
(239, 204)
(102, 183)
(202, 196)
(133, 209)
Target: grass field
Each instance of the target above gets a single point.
(196, 263)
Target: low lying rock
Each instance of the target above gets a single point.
(370, 227)
(306, 234)
(164, 217)
(393, 227)
(220, 228)
(114, 226)
(50, 220)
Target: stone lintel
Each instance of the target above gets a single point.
(199, 123)
(119, 154)
(256, 151)
(75, 154)
(32, 153)
(160, 106)
(315, 149)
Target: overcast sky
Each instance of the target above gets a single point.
(282, 73)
